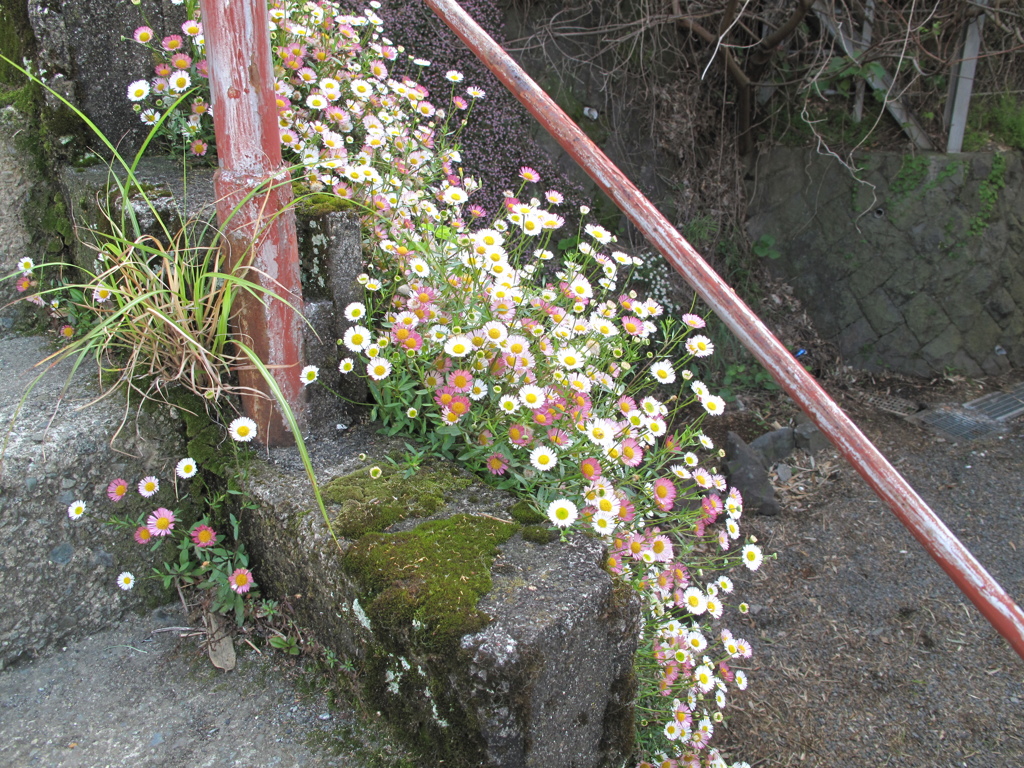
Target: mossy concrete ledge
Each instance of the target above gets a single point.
(484, 648)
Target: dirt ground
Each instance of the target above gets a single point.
(865, 652)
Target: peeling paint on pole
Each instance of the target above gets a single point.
(953, 557)
(254, 197)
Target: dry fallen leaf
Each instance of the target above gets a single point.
(219, 643)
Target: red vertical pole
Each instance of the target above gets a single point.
(253, 190)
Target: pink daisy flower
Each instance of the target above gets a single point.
(161, 522)
(694, 321)
(497, 464)
(142, 535)
(204, 536)
(632, 453)
(520, 434)
(241, 580)
(172, 43)
(460, 380)
(181, 61)
(661, 546)
(558, 437)
(148, 486)
(664, 493)
(526, 173)
(590, 469)
(117, 489)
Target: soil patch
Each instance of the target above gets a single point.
(865, 652)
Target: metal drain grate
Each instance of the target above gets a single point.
(889, 403)
(961, 424)
(1000, 406)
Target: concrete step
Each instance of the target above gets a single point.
(58, 575)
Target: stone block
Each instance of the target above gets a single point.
(870, 276)
(940, 351)
(925, 317)
(17, 176)
(898, 346)
(90, 56)
(57, 575)
(517, 685)
(173, 197)
(1000, 305)
(981, 340)
(748, 474)
(881, 312)
(809, 438)
(857, 344)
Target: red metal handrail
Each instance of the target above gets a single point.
(953, 557)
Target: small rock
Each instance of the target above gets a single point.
(157, 740)
(784, 472)
(102, 557)
(774, 446)
(62, 553)
(809, 438)
(325, 716)
(748, 474)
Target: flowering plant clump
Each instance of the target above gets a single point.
(520, 355)
(207, 559)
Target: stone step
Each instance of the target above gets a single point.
(542, 676)
(57, 575)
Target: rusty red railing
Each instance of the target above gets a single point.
(954, 558)
(254, 194)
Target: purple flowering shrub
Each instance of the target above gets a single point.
(497, 139)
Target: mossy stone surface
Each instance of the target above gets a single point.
(526, 513)
(425, 583)
(367, 504)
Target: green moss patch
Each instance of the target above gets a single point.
(368, 504)
(425, 583)
(526, 513)
(539, 534)
(315, 204)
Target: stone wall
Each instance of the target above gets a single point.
(16, 179)
(916, 268)
(90, 57)
(516, 686)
